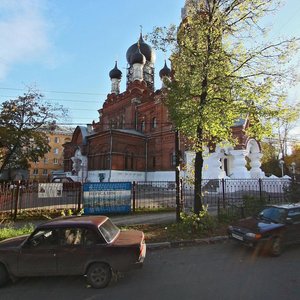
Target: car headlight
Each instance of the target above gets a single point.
(255, 236)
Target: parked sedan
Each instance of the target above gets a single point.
(77, 245)
(273, 228)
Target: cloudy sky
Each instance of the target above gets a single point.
(66, 48)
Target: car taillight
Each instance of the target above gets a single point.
(142, 246)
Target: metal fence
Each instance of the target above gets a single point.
(220, 195)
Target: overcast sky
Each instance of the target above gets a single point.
(66, 48)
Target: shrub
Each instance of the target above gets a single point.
(201, 222)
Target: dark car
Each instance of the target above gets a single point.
(77, 245)
(273, 228)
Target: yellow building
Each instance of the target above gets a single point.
(43, 169)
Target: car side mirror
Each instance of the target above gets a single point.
(289, 221)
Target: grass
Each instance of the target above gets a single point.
(175, 232)
(9, 231)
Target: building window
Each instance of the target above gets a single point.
(45, 161)
(154, 122)
(55, 151)
(129, 161)
(55, 161)
(173, 159)
(35, 172)
(45, 172)
(143, 125)
(56, 140)
(49, 140)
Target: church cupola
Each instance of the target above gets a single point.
(138, 61)
(115, 75)
(165, 74)
(132, 55)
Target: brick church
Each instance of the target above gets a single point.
(134, 139)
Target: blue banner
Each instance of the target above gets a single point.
(107, 197)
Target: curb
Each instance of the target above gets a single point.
(186, 243)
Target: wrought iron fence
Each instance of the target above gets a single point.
(228, 196)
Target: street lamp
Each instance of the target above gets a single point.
(281, 163)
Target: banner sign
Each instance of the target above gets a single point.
(107, 197)
(50, 190)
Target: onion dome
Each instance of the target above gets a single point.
(115, 73)
(138, 57)
(145, 49)
(165, 71)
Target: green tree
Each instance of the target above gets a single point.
(22, 121)
(224, 70)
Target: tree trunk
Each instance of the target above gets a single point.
(198, 180)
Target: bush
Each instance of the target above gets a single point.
(202, 222)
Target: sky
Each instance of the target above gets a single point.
(66, 48)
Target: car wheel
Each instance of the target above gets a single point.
(99, 275)
(276, 246)
(4, 277)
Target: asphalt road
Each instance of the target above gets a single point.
(217, 271)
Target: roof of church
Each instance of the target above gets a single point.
(131, 131)
(145, 49)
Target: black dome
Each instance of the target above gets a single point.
(115, 73)
(137, 57)
(145, 49)
(165, 71)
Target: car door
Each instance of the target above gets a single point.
(74, 254)
(38, 254)
(70, 253)
(294, 226)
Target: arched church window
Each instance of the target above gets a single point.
(154, 122)
(143, 126)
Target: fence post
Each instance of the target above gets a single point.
(133, 196)
(223, 192)
(79, 200)
(16, 202)
(260, 189)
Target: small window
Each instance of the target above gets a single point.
(35, 172)
(55, 151)
(45, 172)
(55, 161)
(143, 126)
(173, 159)
(45, 161)
(154, 122)
(56, 140)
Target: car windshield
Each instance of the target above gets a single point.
(273, 214)
(109, 230)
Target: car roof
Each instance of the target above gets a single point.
(287, 205)
(85, 221)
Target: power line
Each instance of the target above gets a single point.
(60, 99)
(57, 92)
